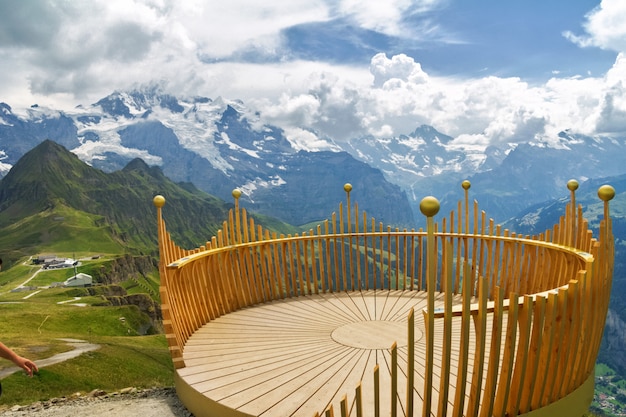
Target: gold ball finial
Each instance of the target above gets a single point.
(466, 185)
(347, 187)
(572, 185)
(606, 193)
(158, 201)
(429, 206)
(236, 193)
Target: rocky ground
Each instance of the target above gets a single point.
(130, 402)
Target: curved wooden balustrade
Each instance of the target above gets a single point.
(511, 324)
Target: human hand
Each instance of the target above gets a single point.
(27, 365)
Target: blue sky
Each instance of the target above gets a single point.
(470, 38)
(482, 71)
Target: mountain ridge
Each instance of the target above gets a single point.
(220, 144)
(49, 183)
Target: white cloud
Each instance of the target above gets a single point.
(399, 67)
(604, 27)
(220, 28)
(488, 110)
(385, 16)
(64, 53)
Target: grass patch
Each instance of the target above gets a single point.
(62, 230)
(120, 362)
(34, 326)
(45, 321)
(602, 369)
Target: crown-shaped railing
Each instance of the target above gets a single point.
(527, 312)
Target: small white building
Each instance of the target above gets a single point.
(79, 280)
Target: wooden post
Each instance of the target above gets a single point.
(429, 206)
(572, 185)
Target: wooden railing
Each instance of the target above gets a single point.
(533, 307)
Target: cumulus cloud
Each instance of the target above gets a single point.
(58, 51)
(604, 27)
(399, 96)
(399, 67)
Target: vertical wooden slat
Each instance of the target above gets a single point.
(410, 372)
(539, 310)
(463, 361)
(357, 251)
(359, 400)
(420, 262)
(570, 338)
(344, 406)
(394, 379)
(350, 267)
(376, 391)
(366, 255)
(342, 249)
(381, 259)
(546, 350)
(284, 271)
(389, 258)
(429, 318)
(405, 258)
(397, 258)
(264, 276)
(374, 253)
(480, 327)
(413, 267)
(506, 373)
(444, 382)
(493, 367)
(337, 277)
(481, 256)
(299, 253)
(306, 265)
(313, 258)
(329, 269)
(521, 357)
(548, 395)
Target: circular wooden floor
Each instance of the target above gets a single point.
(295, 357)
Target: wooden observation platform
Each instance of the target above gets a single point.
(355, 318)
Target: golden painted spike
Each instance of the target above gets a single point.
(158, 201)
(237, 226)
(466, 186)
(572, 185)
(606, 194)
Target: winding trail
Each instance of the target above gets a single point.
(80, 347)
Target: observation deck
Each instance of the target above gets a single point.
(355, 318)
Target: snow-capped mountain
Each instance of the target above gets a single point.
(535, 172)
(218, 145)
(504, 180)
(413, 161)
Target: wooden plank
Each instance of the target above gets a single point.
(268, 342)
